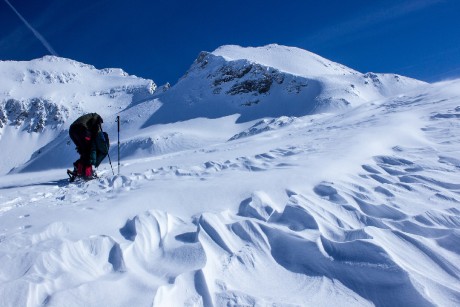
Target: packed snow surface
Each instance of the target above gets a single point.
(354, 208)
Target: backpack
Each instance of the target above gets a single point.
(102, 143)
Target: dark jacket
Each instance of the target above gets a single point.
(91, 122)
(84, 133)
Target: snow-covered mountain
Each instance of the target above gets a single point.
(38, 92)
(271, 81)
(222, 202)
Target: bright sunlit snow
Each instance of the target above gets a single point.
(235, 187)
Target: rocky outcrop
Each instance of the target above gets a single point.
(33, 115)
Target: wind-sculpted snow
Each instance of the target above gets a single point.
(359, 208)
(47, 263)
(265, 125)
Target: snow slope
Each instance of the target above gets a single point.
(356, 208)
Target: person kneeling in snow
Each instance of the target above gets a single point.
(92, 145)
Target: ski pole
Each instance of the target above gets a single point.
(118, 121)
(108, 155)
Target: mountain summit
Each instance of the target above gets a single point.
(271, 81)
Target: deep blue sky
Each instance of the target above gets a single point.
(160, 39)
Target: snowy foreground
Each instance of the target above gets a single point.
(350, 209)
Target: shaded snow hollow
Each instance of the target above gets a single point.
(355, 208)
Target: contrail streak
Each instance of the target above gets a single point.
(35, 32)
